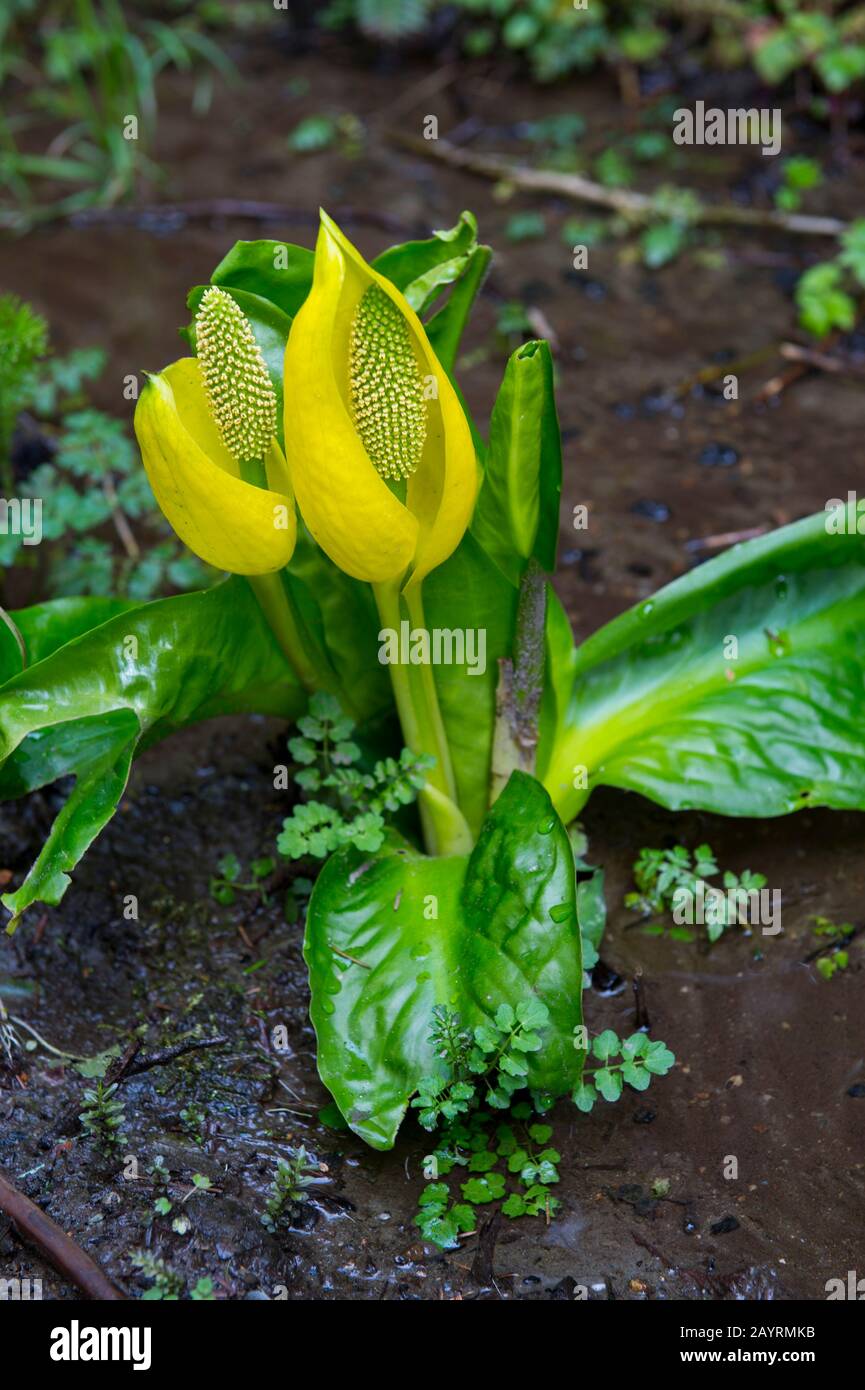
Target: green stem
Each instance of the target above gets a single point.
(444, 827)
(287, 626)
(279, 608)
(414, 604)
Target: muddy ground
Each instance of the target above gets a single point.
(771, 1056)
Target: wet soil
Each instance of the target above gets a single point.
(771, 1058)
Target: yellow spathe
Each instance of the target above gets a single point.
(364, 525)
(228, 523)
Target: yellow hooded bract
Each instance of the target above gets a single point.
(368, 404)
(196, 480)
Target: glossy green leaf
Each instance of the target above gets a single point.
(738, 689)
(469, 593)
(347, 619)
(517, 514)
(422, 269)
(89, 705)
(281, 273)
(591, 915)
(272, 270)
(391, 935)
(46, 626)
(445, 328)
(100, 779)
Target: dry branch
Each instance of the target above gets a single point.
(637, 207)
(55, 1245)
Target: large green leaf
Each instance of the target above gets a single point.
(445, 328)
(517, 514)
(390, 936)
(88, 706)
(273, 270)
(346, 615)
(662, 703)
(468, 593)
(47, 626)
(422, 269)
(101, 775)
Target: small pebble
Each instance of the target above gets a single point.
(652, 510)
(657, 401)
(717, 455)
(724, 1226)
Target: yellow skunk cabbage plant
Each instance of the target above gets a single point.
(385, 560)
(384, 467)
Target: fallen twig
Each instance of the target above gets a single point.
(43, 1042)
(725, 539)
(128, 1064)
(733, 366)
(802, 359)
(777, 385)
(638, 207)
(59, 1249)
(120, 1066)
(120, 519)
(170, 1054)
(822, 361)
(416, 92)
(168, 216)
(482, 1265)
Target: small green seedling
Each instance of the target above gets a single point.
(351, 805)
(291, 1179)
(798, 175)
(103, 1117)
(827, 293)
(508, 1158)
(639, 1060)
(664, 876)
(192, 1119)
(836, 935)
(226, 883)
(168, 1285)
